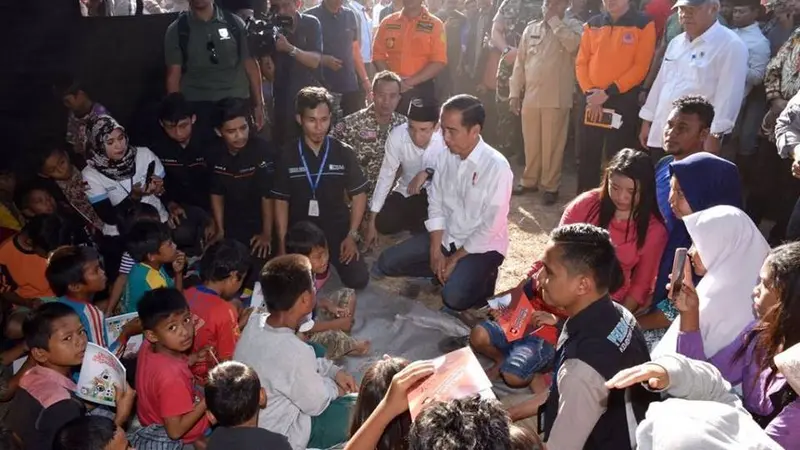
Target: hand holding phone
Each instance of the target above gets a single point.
(676, 279)
(151, 169)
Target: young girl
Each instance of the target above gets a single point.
(748, 359)
(625, 205)
(727, 251)
(374, 386)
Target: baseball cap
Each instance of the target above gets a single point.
(689, 3)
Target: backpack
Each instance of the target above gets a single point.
(183, 35)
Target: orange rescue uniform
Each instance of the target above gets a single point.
(407, 44)
(615, 56)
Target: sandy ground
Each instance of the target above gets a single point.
(529, 222)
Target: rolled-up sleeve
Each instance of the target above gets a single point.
(436, 218)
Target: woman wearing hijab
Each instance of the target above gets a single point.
(697, 182)
(116, 172)
(728, 252)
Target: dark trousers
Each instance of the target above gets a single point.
(426, 90)
(471, 283)
(353, 275)
(352, 102)
(793, 227)
(401, 213)
(598, 145)
(285, 128)
(773, 191)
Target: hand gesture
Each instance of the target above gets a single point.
(180, 263)
(346, 382)
(515, 104)
(596, 97)
(348, 250)
(415, 186)
(396, 399)
(540, 318)
(176, 214)
(331, 63)
(282, 44)
(656, 377)
(156, 186)
(260, 245)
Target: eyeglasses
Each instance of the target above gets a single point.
(213, 52)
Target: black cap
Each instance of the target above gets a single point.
(423, 110)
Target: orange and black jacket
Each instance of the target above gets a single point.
(615, 56)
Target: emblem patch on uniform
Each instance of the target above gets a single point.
(368, 134)
(425, 27)
(390, 42)
(627, 38)
(393, 26)
(223, 34)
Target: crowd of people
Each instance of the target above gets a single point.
(271, 164)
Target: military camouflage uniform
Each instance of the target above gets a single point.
(516, 14)
(365, 135)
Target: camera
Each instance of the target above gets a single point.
(262, 33)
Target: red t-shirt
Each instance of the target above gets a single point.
(164, 388)
(216, 325)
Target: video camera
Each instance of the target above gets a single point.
(262, 33)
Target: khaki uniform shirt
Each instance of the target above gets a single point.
(544, 72)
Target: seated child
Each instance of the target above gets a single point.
(517, 362)
(91, 433)
(234, 397)
(45, 402)
(34, 198)
(75, 275)
(151, 246)
(308, 395)
(377, 379)
(169, 408)
(222, 269)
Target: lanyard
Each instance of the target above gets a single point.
(313, 183)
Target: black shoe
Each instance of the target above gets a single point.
(520, 189)
(550, 198)
(410, 290)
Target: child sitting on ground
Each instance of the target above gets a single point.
(308, 395)
(151, 246)
(91, 433)
(222, 269)
(169, 408)
(234, 397)
(45, 402)
(75, 275)
(34, 198)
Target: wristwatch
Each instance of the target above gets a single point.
(354, 234)
(293, 52)
(430, 172)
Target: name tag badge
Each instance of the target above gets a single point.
(223, 34)
(313, 208)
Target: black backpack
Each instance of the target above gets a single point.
(183, 35)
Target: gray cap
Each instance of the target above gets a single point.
(689, 3)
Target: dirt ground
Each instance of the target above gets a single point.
(529, 223)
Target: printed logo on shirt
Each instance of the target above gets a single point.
(622, 333)
(336, 167)
(262, 165)
(293, 170)
(223, 34)
(390, 42)
(627, 38)
(370, 135)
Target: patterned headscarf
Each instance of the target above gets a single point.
(98, 130)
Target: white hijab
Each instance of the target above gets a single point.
(732, 250)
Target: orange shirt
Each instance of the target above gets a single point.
(615, 56)
(407, 44)
(22, 271)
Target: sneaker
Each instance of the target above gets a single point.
(520, 190)
(550, 198)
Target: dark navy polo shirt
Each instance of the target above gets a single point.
(339, 31)
(341, 175)
(290, 74)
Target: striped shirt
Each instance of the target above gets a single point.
(94, 322)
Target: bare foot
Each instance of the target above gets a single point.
(493, 372)
(541, 383)
(360, 348)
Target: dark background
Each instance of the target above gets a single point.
(118, 60)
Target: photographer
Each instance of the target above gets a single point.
(297, 58)
(208, 59)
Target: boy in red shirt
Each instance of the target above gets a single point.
(169, 407)
(222, 269)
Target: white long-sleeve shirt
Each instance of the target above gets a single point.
(299, 385)
(402, 153)
(713, 65)
(470, 200)
(758, 54)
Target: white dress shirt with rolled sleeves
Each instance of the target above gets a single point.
(758, 54)
(713, 65)
(470, 200)
(402, 153)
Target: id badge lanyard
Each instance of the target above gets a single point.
(313, 204)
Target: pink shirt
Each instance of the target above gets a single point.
(639, 265)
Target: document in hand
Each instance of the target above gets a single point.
(516, 312)
(458, 374)
(101, 371)
(114, 326)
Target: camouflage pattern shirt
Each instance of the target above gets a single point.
(362, 132)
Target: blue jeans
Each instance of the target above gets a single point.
(524, 357)
(471, 283)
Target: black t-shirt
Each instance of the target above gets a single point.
(225, 438)
(186, 170)
(242, 179)
(341, 175)
(290, 74)
(37, 426)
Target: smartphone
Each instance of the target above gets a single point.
(151, 168)
(677, 270)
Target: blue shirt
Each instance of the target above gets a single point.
(663, 176)
(339, 31)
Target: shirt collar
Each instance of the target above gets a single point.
(590, 315)
(217, 17)
(707, 36)
(423, 15)
(750, 28)
(477, 153)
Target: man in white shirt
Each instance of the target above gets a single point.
(467, 214)
(365, 34)
(706, 59)
(414, 148)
